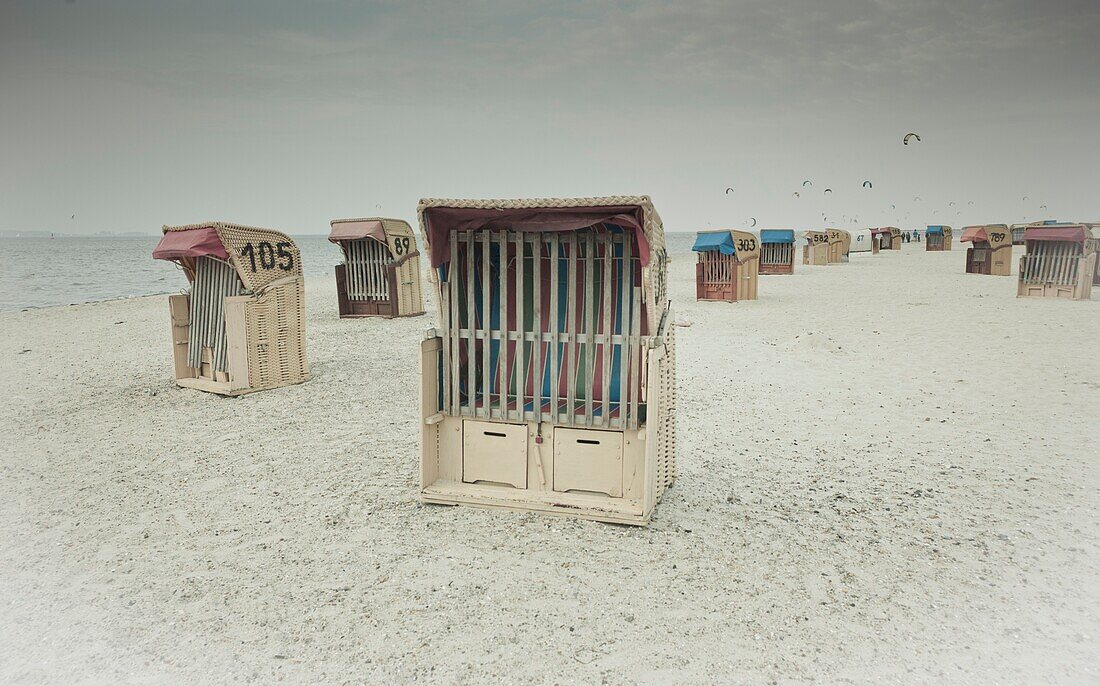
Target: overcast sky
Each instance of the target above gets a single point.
(287, 114)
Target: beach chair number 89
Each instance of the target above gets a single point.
(270, 256)
(401, 245)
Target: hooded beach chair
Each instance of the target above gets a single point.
(241, 328)
(816, 250)
(549, 385)
(990, 250)
(861, 242)
(380, 275)
(840, 242)
(727, 265)
(937, 238)
(777, 251)
(1058, 262)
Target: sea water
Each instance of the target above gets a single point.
(43, 272)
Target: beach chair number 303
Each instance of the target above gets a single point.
(270, 256)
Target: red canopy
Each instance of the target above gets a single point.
(190, 243)
(881, 231)
(355, 229)
(1073, 234)
(974, 233)
(441, 221)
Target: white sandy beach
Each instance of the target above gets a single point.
(888, 473)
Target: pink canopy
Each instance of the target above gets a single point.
(357, 229)
(190, 243)
(881, 231)
(1074, 234)
(441, 221)
(974, 233)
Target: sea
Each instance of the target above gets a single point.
(65, 270)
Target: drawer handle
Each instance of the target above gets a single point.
(587, 441)
(497, 434)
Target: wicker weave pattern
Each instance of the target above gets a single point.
(235, 236)
(276, 336)
(666, 414)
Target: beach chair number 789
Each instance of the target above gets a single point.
(270, 256)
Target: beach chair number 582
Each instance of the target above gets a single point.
(270, 256)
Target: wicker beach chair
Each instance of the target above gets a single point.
(241, 328)
(1059, 261)
(727, 266)
(990, 250)
(549, 384)
(380, 275)
(777, 251)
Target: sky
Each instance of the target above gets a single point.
(123, 116)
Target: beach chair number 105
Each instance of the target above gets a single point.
(268, 254)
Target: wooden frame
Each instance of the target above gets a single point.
(549, 385)
(241, 329)
(380, 275)
(1058, 262)
(937, 238)
(777, 251)
(727, 266)
(990, 250)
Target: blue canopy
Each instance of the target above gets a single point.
(934, 229)
(721, 241)
(777, 236)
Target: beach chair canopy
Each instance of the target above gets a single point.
(376, 228)
(200, 242)
(441, 217)
(971, 234)
(777, 236)
(933, 229)
(710, 241)
(1073, 234)
(743, 245)
(259, 256)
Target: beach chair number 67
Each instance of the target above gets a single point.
(400, 245)
(270, 256)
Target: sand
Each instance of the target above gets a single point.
(888, 473)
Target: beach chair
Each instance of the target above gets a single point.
(777, 251)
(881, 238)
(1058, 262)
(840, 242)
(990, 250)
(380, 275)
(549, 384)
(727, 266)
(862, 242)
(816, 250)
(241, 328)
(937, 238)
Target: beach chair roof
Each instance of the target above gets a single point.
(971, 234)
(377, 228)
(439, 217)
(933, 229)
(777, 235)
(710, 241)
(1074, 233)
(249, 249)
(743, 245)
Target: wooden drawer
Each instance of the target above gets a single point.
(587, 460)
(495, 453)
